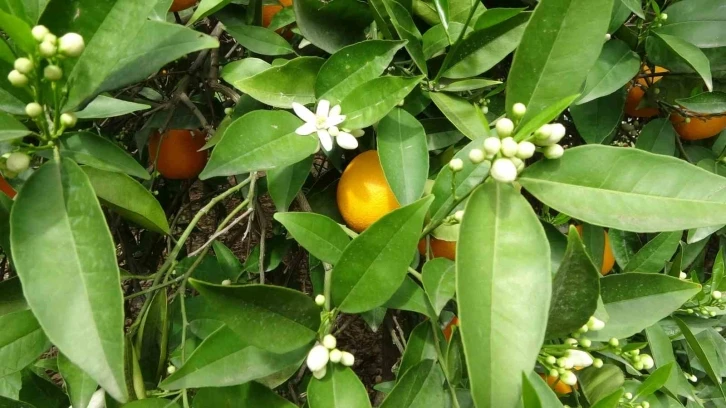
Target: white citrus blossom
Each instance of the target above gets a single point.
(18, 162)
(318, 357)
(579, 358)
(503, 170)
(525, 150)
(68, 119)
(647, 361)
(716, 294)
(456, 165)
(16, 78)
(476, 156)
(324, 122)
(554, 151)
(519, 109)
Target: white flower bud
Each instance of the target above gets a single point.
(638, 365)
(17, 79)
(33, 109)
(23, 65)
(98, 399)
(716, 294)
(525, 150)
(485, 109)
(565, 362)
(171, 369)
(334, 131)
(628, 396)
(329, 341)
(586, 342)
(71, 45)
(682, 275)
(583, 329)
(492, 145)
(558, 132)
(647, 361)
(476, 156)
(569, 378)
(459, 215)
(39, 32)
(518, 163)
(664, 16)
(504, 127)
(347, 359)
(51, 38)
(503, 170)
(614, 342)
(226, 282)
(551, 360)
(47, 49)
(320, 374)
(68, 120)
(519, 110)
(544, 132)
(554, 373)
(571, 341)
(608, 37)
(509, 147)
(17, 162)
(335, 356)
(595, 324)
(320, 300)
(53, 73)
(692, 378)
(553, 152)
(645, 404)
(579, 358)
(456, 165)
(318, 357)
(597, 363)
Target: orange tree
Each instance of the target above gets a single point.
(204, 205)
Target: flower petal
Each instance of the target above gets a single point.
(334, 120)
(303, 112)
(335, 111)
(325, 139)
(346, 141)
(306, 129)
(323, 108)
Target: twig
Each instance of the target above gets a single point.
(153, 288)
(222, 232)
(184, 98)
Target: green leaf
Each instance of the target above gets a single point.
(283, 183)
(18, 31)
(282, 19)
(75, 255)
(206, 8)
(635, 6)
(228, 261)
(21, 341)
(655, 381)
(599, 184)
(503, 287)
(624, 245)
(663, 49)
(420, 387)
(537, 385)
(242, 69)
(654, 255)
(662, 351)
(705, 103)
(658, 136)
(224, 359)
(373, 266)
(250, 395)
(597, 120)
(562, 40)
(79, 386)
(410, 296)
(599, 383)
(99, 152)
(320, 235)
(332, 25)
(436, 39)
(654, 296)
(108, 107)
(10, 403)
(439, 280)
(404, 155)
(467, 117)
(11, 128)
(272, 318)
(259, 140)
(260, 40)
(406, 29)
(280, 86)
(469, 84)
(616, 65)
(486, 47)
(10, 386)
(695, 346)
(339, 388)
(545, 116)
(575, 290)
(420, 346)
(610, 401)
(152, 403)
(41, 392)
(700, 22)
(373, 100)
(129, 198)
(153, 337)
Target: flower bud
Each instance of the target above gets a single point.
(553, 152)
(492, 145)
(23, 65)
(597, 363)
(320, 374)
(476, 156)
(329, 341)
(228, 111)
(320, 300)
(459, 215)
(334, 131)
(518, 163)
(71, 45)
(456, 165)
(318, 357)
(335, 356)
(39, 32)
(628, 396)
(504, 127)
(347, 359)
(565, 362)
(716, 294)
(503, 170)
(226, 282)
(554, 373)
(53, 73)
(525, 150)
(583, 329)
(33, 109)
(98, 399)
(519, 110)
(586, 342)
(664, 16)
(692, 378)
(551, 360)
(608, 37)
(17, 162)
(509, 147)
(68, 120)
(47, 49)
(595, 324)
(571, 341)
(171, 369)
(682, 275)
(17, 79)
(645, 404)
(579, 358)
(569, 378)
(614, 342)
(485, 109)
(647, 361)
(638, 365)
(544, 132)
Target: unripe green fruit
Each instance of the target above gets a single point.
(53, 73)
(33, 109)
(18, 162)
(23, 65)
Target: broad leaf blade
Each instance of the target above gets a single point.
(11, 128)
(280, 86)
(96, 151)
(79, 385)
(420, 387)
(108, 107)
(339, 388)
(250, 395)
(663, 49)
(320, 235)
(283, 183)
(373, 100)
(654, 255)
(467, 117)
(616, 65)
(439, 280)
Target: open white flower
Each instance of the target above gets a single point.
(325, 123)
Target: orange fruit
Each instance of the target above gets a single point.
(270, 10)
(180, 5)
(608, 259)
(636, 93)
(179, 156)
(439, 248)
(363, 192)
(698, 127)
(557, 386)
(449, 328)
(6, 188)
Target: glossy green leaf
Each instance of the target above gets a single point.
(663, 49)
(10, 386)
(469, 84)
(700, 22)
(404, 155)
(228, 261)
(21, 341)
(547, 398)
(206, 8)
(11, 128)
(152, 403)
(599, 119)
(75, 255)
(332, 25)
(616, 65)
(420, 346)
(545, 116)
(6, 53)
(373, 266)
(598, 383)
(439, 280)
(283, 183)
(259, 140)
(654, 255)
(41, 392)
(705, 103)
(467, 117)
(624, 245)
(618, 188)
(108, 107)
(373, 100)
(18, 30)
(11, 297)
(658, 136)
(693, 343)
(410, 296)
(129, 198)
(260, 40)
(242, 69)
(558, 245)
(339, 388)
(320, 235)
(661, 350)
(79, 386)
(406, 29)
(420, 387)
(436, 40)
(455, 358)
(655, 381)
(280, 86)
(503, 287)
(634, 6)
(99, 152)
(575, 290)
(440, 133)
(610, 401)
(562, 40)
(250, 395)
(272, 318)
(153, 337)
(654, 296)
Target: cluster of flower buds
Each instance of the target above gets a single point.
(639, 361)
(324, 352)
(706, 309)
(660, 19)
(627, 401)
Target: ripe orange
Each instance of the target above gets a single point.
(439, 248)
(179, 157)
(558, 386)
(270, 10)
(363, 192)
(6, 188)
(449, 328)
(608, 260)
(180, 5)
(636, 93)
(698, 127)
